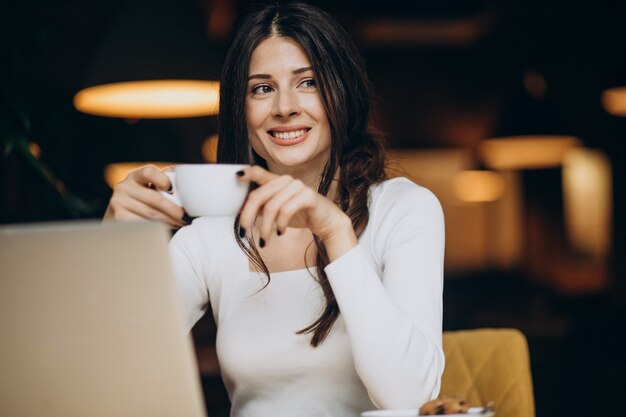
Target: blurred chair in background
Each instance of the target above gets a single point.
(486, 365)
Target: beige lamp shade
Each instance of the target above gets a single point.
(117, 172)
(478, 186)
(154, 61)
(614, 101)
(153, 99)
(526, 152)
(588, 201)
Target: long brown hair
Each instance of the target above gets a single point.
(345, 92)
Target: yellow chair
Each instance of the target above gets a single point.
(486, 365)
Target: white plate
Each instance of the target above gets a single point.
(390, 413)
(414, 413)
(487, 414)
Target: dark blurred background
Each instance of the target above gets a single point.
(544, 254)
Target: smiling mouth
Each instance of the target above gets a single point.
(294, 134)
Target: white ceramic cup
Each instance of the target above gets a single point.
(208, 189)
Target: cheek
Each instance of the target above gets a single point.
(319, 113)
(256, 114)
(315, 108)
(253, 137)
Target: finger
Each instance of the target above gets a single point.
(139, 209)
(155, 200)
(257, 174)
(123, 214)
(272, 208)
(150, 174)
(257, 198)
(299, 202)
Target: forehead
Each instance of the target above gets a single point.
(277, 53)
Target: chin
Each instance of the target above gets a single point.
(289, 163)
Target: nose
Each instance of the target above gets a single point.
(286, 104)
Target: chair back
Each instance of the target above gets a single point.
(484, 365)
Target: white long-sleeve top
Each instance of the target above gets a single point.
(384, 350)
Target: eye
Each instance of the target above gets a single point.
(308, 83)
(262, 89)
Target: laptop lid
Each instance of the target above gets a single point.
(90, 324)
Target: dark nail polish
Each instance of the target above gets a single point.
(242, 231)
(278, 232)
(262, 242)
(169, 190)
(240, 173)
(187, 218)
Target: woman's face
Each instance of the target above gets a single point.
(287, 123)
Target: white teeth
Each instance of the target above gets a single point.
(289, 135)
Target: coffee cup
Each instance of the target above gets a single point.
(207, 189)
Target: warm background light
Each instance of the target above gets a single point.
(117, 172)
(614, 101)
(526, 152)
(209, 149)
(34, 149)
(476, 186)
(150, 99)
(478, 235)
(588, 201)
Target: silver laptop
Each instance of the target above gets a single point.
(90, 324)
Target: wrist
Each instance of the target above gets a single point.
(340, 238)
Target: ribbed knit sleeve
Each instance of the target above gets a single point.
(185, 252)
(394, 321)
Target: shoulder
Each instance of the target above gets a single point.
(403, 214)
(401, 196)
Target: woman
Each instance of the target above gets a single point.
(361, 329)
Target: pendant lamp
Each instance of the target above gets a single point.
(155, 61)
(526, 151)
(614, 101)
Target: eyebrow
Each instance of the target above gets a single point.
(268, 76)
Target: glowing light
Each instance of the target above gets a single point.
(587, 192)
(209, 149)
(526, 152)
(117, 172)
(150, 99)
(34, 149)
(614, 101)
(478, 186)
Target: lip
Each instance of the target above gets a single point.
(288, 142)
(289, 128)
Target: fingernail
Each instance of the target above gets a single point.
(169, 190)
(262, 242)
(187, 218)
(278, 232)
(242, 231)
(240, 173)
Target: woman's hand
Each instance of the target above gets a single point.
(282, 201)
(138, 197)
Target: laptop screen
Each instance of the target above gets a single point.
(91, 323)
